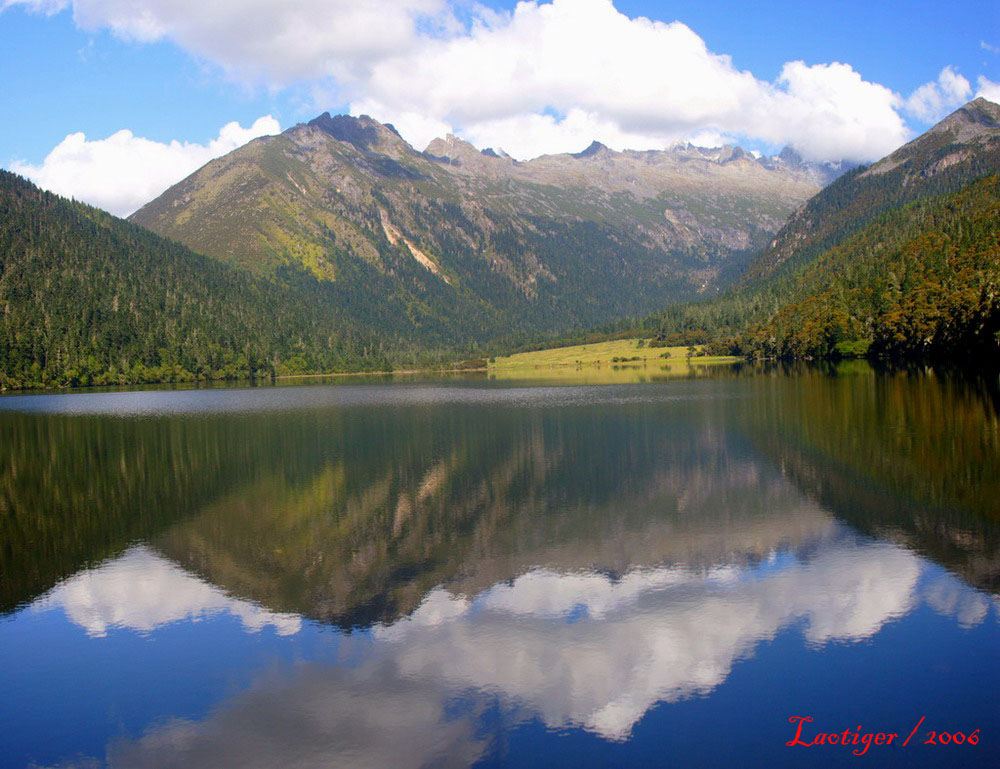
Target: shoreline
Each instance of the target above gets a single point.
(194, 384)
(222, 383)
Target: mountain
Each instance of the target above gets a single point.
(351, 515)
(456, 244)
(823, 173)
(900, 256)
(86, 298)
(962, 147)
(920, 281)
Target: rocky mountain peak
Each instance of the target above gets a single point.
(971, 128)
(453, 149)
(363, 132)
(971, 120)
(348, 201)
(733, 152)
(462, 156)
(790, 156)
(595, 148)
(822, 172)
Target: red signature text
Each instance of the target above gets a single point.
(864, 741)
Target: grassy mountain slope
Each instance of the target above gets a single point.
(86, 298)
(453, 244)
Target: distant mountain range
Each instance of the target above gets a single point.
(452, 244)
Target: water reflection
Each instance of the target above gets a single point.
(322, 716)
(654, 635)
(912, 457)
(949, 597)
(421, 571)
(535, 493)
(142, 591)
(571, 649)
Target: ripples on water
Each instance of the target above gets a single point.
(472, 574)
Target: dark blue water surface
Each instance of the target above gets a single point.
(473, 574)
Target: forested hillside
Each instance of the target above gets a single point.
(922, 281)
(896, 260)
(86, 298)
(961, 148)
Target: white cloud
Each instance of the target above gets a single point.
(828, 112)
(278, 41)
(142, 591)
(654, 635)
(124, 171)
(932, 101)
(546, 77)
(623, 81)
(988, 90)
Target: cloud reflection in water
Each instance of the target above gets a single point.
(579, 649)
(655, 635)
(141, 590)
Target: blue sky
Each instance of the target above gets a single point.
(547, 78)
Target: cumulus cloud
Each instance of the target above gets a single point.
(828, 112)
(553, 76)
(283, 41)
(654, 635)
(545, 77)
(142, 591)
(657, 634)
(123, 171)
(988, 89)
(932, 101)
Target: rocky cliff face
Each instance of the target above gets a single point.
(453, 241)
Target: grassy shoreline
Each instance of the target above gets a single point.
(614, 352)
(615, 355)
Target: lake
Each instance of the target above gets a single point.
(470, 572)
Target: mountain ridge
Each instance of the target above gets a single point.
(959, 148)
(897, 260)
(460, 244)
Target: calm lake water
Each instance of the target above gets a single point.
(473, 573)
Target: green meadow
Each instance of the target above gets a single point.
(620, 360)
(600, 353)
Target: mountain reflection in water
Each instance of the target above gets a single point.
(449, 565)
(580, 649)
